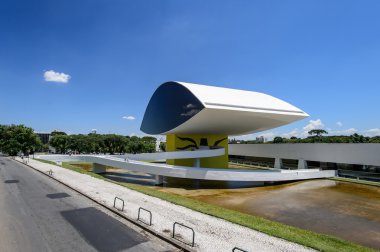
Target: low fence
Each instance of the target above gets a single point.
(175, 235)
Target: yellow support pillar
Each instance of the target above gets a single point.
(178, 142)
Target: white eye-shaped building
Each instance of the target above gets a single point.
(199, 117)
(197, 121)
(184, 108)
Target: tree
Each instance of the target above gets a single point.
(3, 129)
(60, 143)
(114, 143)
(375, 139)
(136, 147)
(18, 138)
(278, 140)
(56, 132)
(149, 147)
(162, 146)
(356, 138)
(149, 139)
(317, 132)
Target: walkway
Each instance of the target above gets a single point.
(211, 234)
(193, 172)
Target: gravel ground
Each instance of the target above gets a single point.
(211, 233)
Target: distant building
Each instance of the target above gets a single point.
(45, 137)
(261, 139)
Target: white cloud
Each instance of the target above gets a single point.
(316, 124)
(53, 76)
(340, 124)
(349, 131)
(313, 124)
(372, 132)
(295, 132)
(129, 118)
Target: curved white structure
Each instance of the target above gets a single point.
(185, 108)
(193, 172)
(174, 154)
(204, 114)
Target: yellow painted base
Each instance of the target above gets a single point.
(174, 143)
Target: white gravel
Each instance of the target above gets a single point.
(211, 233)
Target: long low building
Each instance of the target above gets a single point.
(345, 153)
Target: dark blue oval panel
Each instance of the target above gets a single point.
(171, 105)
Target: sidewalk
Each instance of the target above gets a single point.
(211, 234)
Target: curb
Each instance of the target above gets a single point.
(164, 238)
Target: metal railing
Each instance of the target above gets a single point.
(236, 249)
(25, 159)
(150, 216)
(183, 225)
(114, 203)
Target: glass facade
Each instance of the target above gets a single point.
(171, 105)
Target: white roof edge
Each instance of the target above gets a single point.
(234, 99)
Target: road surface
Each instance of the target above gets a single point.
(40, 214)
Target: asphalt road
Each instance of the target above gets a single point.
(39, 214)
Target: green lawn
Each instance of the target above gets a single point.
(310, 239)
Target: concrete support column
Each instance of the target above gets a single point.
(197, 162)
(98, 168)
(278, 163)
(159, 180)
(302, 164)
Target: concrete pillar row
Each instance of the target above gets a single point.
(278, 163)
(197, 162)
(159, 180)
(302, 164)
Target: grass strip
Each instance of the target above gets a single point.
(304, 237)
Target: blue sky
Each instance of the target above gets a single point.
(321, 56)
